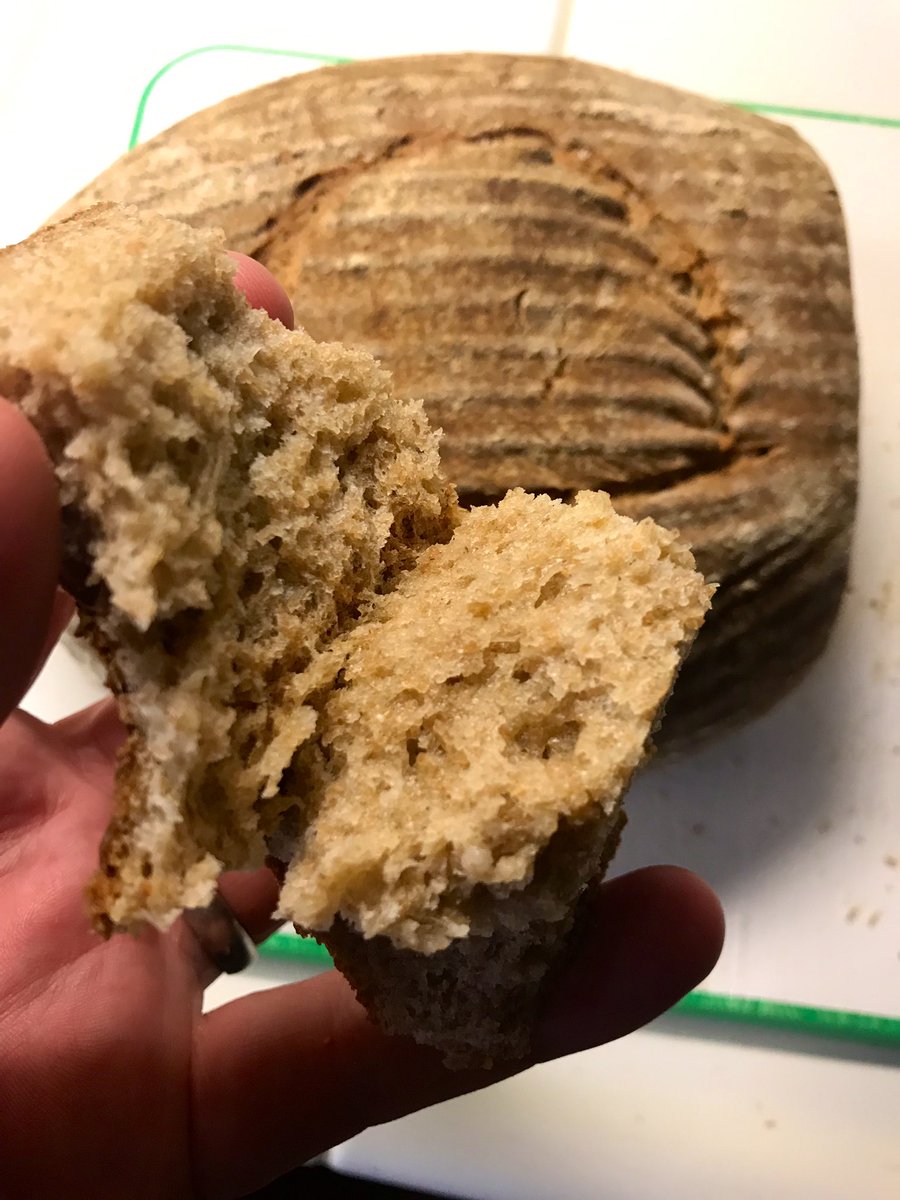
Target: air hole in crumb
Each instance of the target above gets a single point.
(251, 584)
(521, 675)
(405, 527)
(551, 589)
(284, 668)
(547, 738)
(291, 574)
(397, 144)
(185, 457)
(174, 633)
(268, 441)
(258, 513)
(504, 648)
(217, 321)
(146, 869)
(143, 456)
(111, 871)
(348, 393)
(306, 185)
(563, 741)
(413, 750)
(682, 281)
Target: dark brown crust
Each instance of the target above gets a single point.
(716, 391)
(477, 1000)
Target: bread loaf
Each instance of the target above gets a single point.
(594, 282)
(434, 716)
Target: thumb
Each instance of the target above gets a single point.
(29, 553)
(281, 1075)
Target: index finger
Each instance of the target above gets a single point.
(262, 289)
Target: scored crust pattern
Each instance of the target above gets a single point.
(641, 322)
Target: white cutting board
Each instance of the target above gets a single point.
(795, 819)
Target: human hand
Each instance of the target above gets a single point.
(112, 1081)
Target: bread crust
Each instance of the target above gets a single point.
(478, 999)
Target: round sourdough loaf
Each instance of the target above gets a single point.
(594, 282)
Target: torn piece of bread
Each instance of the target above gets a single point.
(465, 777)
(233, 494)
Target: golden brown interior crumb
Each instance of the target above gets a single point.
(506, 688)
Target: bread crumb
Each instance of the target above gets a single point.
(463, 745)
